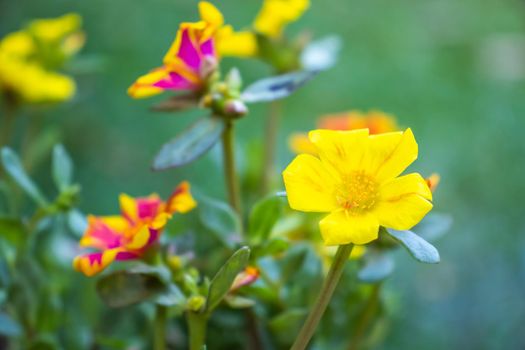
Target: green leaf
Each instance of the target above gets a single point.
(420, 249)
(14, 168)
(62, 167)
(378, 266)
(177, 103)
(172, 296)
(221, 283)
(277, 87)
(321, 54)
(272, 246)
(238, 302)
(263, 217)
(77, 222)
(12, 230)
(128, 287)
(221, 219)
(9, 327)
(433, 226)
(190, 144)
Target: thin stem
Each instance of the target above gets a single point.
(366, 316)
(197, 327)
(330, 282)
(272, 126)
(9, 121)
(232, 181)
(159, 331)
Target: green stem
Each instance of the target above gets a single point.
(232, 181)
(272, 126)
(159, 331)
(330, 282)
(9, 121)
(197, 327)
(366, 316)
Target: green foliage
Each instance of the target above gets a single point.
(377, 267)
(263, 217)
(221, 219)
(420, 249)
(14, 168)
(189, 144)
(138, 284)
(9, 327)
(223, 279)
(276, 88)
(62, 168)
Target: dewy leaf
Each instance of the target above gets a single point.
(420, 249)
(190, 144)
(177, 103)
(275, 88)
(13, 167)
(263, 217)
(378, 266)
(321, 54)
(127, 287)
(433, 226)
(221, 283)
(221, 219)
(62, 167)
(9, 327)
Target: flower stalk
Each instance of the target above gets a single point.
(272, 125)
(232, 180)
(197, 329)
(159, 328)
(327, 290)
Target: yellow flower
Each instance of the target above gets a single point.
(229, 42)
(355, 179)
(29, 59)
(275, 15)
(377, 122)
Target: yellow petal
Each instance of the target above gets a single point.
(308, 185)
(181, 199)
(240, 44)
(140, 239)
(210, 14)
(128, 206)
(275, 15)
(90, 268)
(343, 151)
(390, 154)
(299, 143)
(342, 228)
(403, 202)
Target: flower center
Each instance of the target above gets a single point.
(357, 192)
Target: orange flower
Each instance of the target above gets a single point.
(376, 122)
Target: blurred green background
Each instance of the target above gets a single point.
(454, 71)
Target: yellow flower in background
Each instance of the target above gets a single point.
(30, 57)
(228, 41)
(355, 178)
(275, 15)
(377, 122)
(433, 181)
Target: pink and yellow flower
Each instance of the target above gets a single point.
(194, 54)
(128, 235)
(376, 122)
